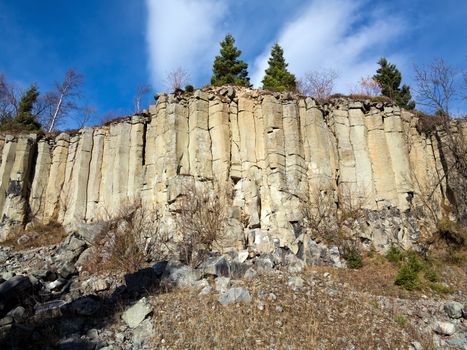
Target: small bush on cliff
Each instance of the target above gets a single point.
(352, 256)
(200, 218)
(394, 254)
(130, 237)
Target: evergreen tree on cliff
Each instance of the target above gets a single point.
(228, 69)
(389, 79)
(24, 119)
(277, 76)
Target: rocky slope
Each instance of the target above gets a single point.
(51, 297)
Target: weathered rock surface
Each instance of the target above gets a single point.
(275, 151)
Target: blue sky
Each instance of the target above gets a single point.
(120, 44)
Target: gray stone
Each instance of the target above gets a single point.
(206, 290)
(250, 273)
(143, 333)
(137, 313)
(50, 309)
(295, 282)
(216, 266)
(235, 295)
(294, 264)
(415, 345)
(264, 263)
(444, 328)
(7, 320)
(85, 306)
(12, 291)
(453, 309)
(242, 256)
(222, 284)
(18, 313)
(181, 277)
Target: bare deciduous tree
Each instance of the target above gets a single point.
(9, 97)
(319, 84)
(62, 100)
(176, 79)
(87, 113)
(141, 91)
(368, 86)
(436, 86)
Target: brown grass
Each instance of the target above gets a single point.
(200, 218)
(325, 314)
(39, 235)
(121, 246)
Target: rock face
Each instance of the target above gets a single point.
(273, 153)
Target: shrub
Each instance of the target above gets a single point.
(200, 220)
(401, 320)
(122, 245)
(353, 257)
(407, 278)
(394, 254)
(189, 88)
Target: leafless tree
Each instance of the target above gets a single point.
(63, 100)
(436, 86)
(86, 114)
(8, 97)
(141, 91)
(368, 86)
(176, 79)
(319, 84)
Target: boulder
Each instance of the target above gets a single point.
(235, 295)
(137, 313)
(12, 292)
(453, 309)
(216, 266)
(444, 328)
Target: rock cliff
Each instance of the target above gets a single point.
(273, 153)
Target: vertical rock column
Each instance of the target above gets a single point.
(56, 178)
(381, 163)
(199, 138)
(220, 137)
(41, 178)
(365, 193)
(136, 158)
(16, 207)
(95, 175)
(399, 155)
(79, 177)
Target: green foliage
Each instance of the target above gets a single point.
(440, 288)
(389, 79)
(189, 88)
(401, 320)
(24, 119)
(394, 254)
(277, 77)
(228, 69)
(353, 257)
(407, 278)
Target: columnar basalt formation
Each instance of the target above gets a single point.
(273, 151)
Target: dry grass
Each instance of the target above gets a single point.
(200, 221)
(38, 235)
(325, 314)
(122, 245)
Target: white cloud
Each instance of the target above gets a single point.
(338, 35)
(183, 33)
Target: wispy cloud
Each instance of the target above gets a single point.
(338, 35)
(183, 33)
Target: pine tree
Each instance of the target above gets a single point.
(24, 119)
(277, 76)
(228, 69)
(389, 79)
